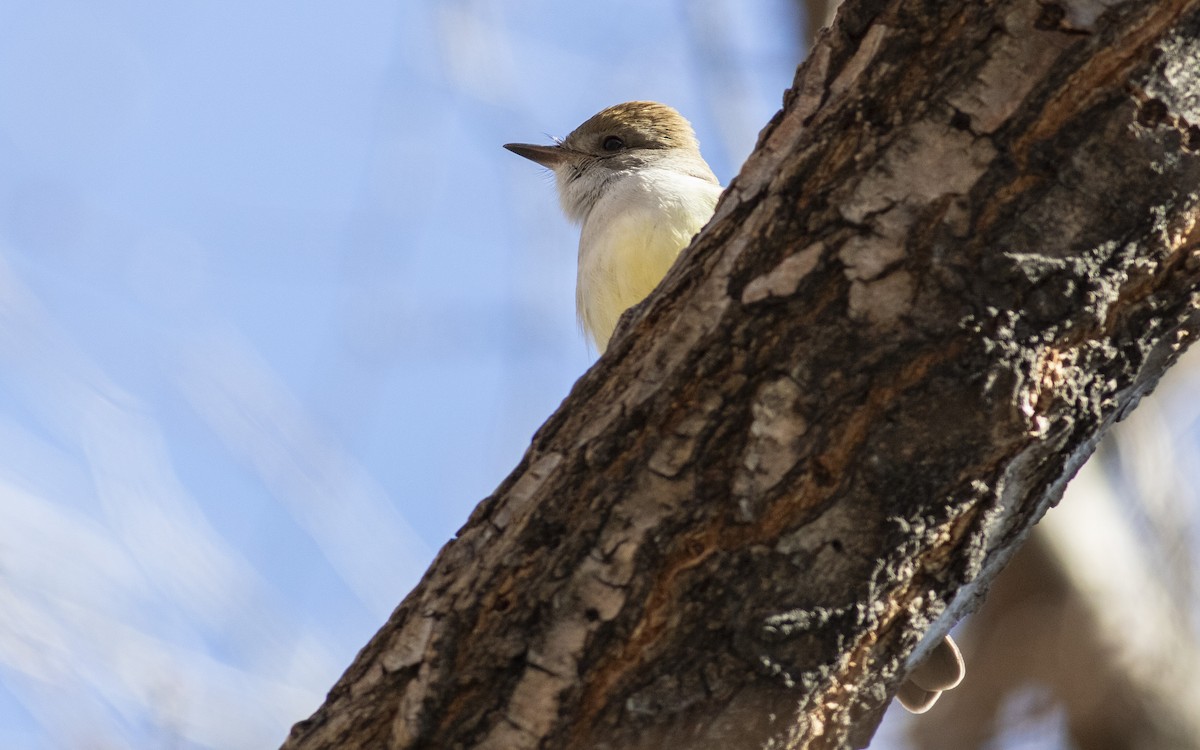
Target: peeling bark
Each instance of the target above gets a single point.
(964, 248)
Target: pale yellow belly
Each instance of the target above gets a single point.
(621, 264)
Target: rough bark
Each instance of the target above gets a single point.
(964, 248)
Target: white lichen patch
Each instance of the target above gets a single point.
(773, 444)
(783, 279)
(882, 302)
(1177, 89)
(931, 160)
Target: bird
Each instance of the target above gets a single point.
(633, 178)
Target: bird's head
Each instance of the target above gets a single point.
(615, 142)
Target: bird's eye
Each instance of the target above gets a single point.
(613, 143)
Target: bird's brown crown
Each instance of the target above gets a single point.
(639, 124)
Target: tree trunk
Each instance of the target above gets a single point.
(964, 248)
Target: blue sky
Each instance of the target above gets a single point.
(276, 311)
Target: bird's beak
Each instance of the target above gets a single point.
(547, 156)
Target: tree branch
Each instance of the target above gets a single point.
(964, 248)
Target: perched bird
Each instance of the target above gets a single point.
(633, 177)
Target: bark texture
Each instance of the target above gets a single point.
(965, 246)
